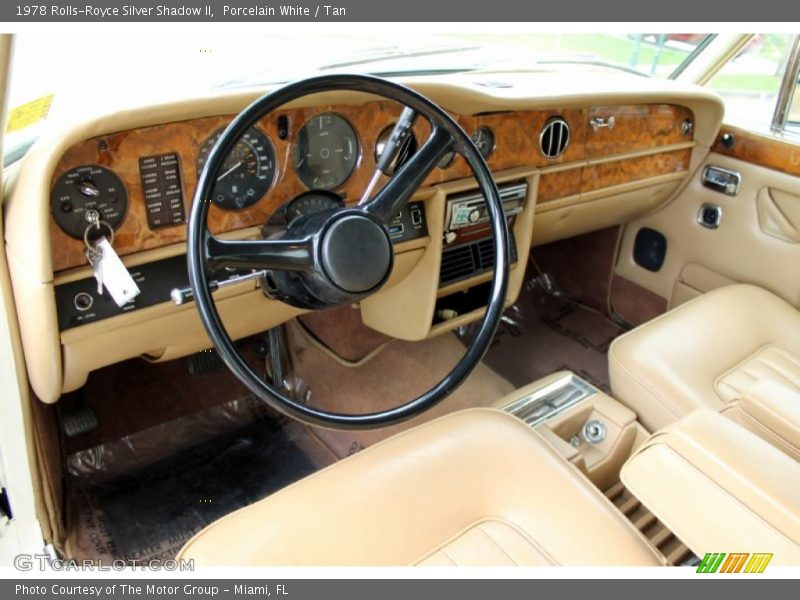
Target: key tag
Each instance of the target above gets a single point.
(108, 269)
(114, 276)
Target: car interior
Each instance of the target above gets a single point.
(500, 317)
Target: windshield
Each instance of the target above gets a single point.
(62, 77)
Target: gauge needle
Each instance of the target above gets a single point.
(229, 171)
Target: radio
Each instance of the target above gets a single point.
(470, 210)
(468, 249)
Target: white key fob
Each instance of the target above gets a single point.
(114, 275)
(93, 256)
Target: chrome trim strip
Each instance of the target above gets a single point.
(788, 87)
(570, 385)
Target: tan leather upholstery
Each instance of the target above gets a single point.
(719, 487)
(477, 487)
(706, 352)
(771, 411)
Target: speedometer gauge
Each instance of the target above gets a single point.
(247, 172)
(325, 152)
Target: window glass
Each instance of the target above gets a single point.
(751, 81)
(793, 119)
(58, 77)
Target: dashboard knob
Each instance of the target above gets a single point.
(474, 216)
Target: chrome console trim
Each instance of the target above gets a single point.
(551, 400)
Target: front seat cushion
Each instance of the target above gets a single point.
(706, 353)
(478, 487)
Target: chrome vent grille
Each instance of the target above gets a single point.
(554, 138)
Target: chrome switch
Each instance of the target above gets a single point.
(710, 215)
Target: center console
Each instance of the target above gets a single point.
(704, 484)
(586, 426)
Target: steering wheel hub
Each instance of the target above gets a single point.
(356, 252)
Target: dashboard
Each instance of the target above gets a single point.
(141, 181)
(565, 164)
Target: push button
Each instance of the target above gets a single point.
(710, 215)
(83, 301)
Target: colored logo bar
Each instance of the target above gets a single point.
(734, 562)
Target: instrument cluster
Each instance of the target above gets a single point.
(324, 153)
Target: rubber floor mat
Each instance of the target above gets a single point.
(151, 514)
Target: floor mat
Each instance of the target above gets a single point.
(545, 334)
(581, 265)
(150, 394)
(150, 514)
(397, 374)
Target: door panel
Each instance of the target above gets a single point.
(779, 214)
(758, 238)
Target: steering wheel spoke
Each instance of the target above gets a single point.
(338, 256)
(408, 178)
(275, 255)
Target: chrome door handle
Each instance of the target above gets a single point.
(601, 122)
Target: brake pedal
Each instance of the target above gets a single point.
(78, 421)
(205, 361)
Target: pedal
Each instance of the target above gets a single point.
(547, 284)
(204, 362)
(78, 421)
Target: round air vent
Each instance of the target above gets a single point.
(554, 138)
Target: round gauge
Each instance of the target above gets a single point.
(407, 151)
(86, 192)
(325, 152)
(247, 172)
(446, 160)
(311, 202)
(483, 137)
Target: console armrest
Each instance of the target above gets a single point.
(719, 487)
(771, 411)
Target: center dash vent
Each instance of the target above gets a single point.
(468, 260)
(554, 138)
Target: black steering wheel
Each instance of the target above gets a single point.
(338, 256)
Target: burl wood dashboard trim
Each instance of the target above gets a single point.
(636, 128)
(612, 173)
(758, 149)
(517, 135)
(594, 176)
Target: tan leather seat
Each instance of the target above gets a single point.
(717, 486)
(706, 353)
(476, 487)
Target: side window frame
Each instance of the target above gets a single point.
(781, 125)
